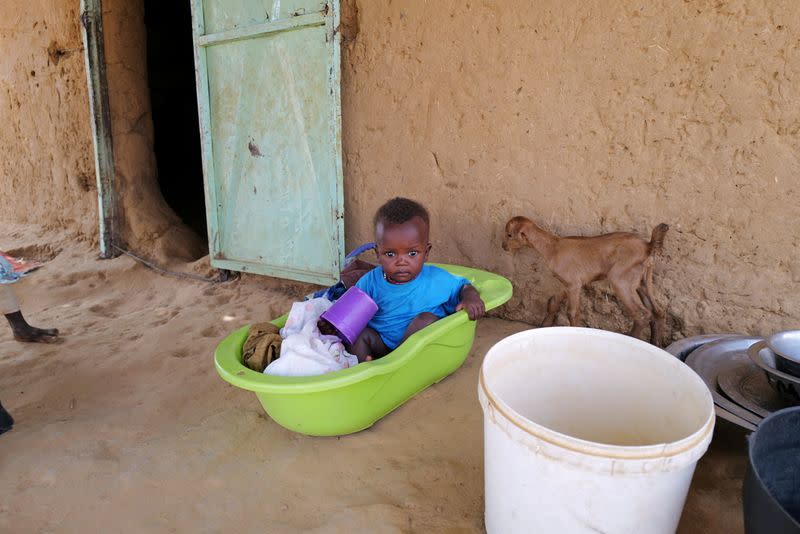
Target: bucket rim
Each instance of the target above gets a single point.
(591, 448)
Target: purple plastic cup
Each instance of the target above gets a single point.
(350, 314)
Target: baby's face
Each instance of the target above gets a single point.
(402, 249)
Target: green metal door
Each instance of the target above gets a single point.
(268, 76)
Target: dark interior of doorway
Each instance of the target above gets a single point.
(170, 70)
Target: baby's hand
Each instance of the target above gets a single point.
(472, 303)
(326, 328)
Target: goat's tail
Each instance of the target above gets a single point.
(657, 239)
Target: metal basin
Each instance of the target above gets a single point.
(786, 384)
(786, 345)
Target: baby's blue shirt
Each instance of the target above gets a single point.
(434, 290)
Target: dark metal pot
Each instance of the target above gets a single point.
(772, 484)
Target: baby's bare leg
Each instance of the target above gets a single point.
(419, 322)
(369, 346)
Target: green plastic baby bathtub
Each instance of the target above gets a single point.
(353, 399)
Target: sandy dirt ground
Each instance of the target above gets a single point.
(125, 426)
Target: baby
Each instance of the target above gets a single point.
(410, 295)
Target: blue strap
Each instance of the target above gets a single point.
(334, 292)
(360, 250)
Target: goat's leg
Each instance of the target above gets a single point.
(654, 319)
(574, 305)
(633, 305)
(645, 298)
(553, 307)
(658, 319)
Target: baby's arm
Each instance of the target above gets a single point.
(471, 302)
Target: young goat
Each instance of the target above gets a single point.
(624, 259)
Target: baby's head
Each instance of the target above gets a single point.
(401, 236)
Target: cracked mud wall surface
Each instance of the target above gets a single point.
(589, 117)
(47, 169)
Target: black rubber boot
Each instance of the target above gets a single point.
(6, 421)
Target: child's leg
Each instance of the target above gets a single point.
(369, 346)
(22, 330)
(420, 321)
(8, 300)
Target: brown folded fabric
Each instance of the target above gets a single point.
(262, 347)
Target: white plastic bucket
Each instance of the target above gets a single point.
(589, 431)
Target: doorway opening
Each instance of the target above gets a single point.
(173, 97)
